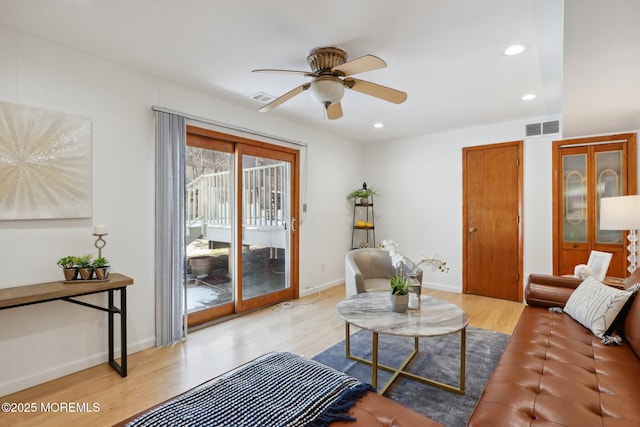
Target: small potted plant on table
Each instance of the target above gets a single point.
(101, 268)
(84, 266)
(399, 293)
(69, 268)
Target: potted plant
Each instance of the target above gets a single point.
(362, 194)
(69, 268)
(101, 268)
(84, 266)
(399, 293)
(401, 281)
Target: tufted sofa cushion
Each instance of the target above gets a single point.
(555, 372)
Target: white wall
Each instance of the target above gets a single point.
(45, 341)
(420, 204)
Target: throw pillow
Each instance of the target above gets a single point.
(596, 305)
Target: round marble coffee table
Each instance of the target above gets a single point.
(372, 311)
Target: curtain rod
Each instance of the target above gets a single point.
(227, 126)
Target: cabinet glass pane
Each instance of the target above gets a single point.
(609, 183)
(574, 202)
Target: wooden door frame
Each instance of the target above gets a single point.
(222, 142)
(632, 180)
(293, 157)
(519, 146)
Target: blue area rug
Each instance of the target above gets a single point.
(438, 359)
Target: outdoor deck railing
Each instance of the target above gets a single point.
(208, 198)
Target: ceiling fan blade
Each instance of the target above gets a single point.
(373, 89)
(360, 65)
(287, 96)
(334, 111)
(270, 70)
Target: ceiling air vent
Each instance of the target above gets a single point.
(542, 128)
(262, 97)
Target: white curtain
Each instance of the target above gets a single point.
(170, 229)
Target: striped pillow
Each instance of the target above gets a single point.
(596, 305)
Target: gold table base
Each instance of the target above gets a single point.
(400, 371)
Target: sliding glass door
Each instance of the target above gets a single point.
(266, 227)
(239, 235)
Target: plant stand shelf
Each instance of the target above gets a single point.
(363, 212)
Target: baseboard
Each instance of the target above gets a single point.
(441, 287)
(313, 289)
(71, 367)
(429, 285)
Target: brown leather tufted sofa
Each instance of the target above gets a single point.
(555, 372)
(372, 410)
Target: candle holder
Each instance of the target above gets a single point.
(100, 243)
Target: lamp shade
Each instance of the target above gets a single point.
(326, 90)
(620, 213)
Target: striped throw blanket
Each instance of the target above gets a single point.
(278, 389)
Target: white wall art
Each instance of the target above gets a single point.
(45, 164)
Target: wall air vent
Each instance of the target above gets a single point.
(542, 128)
(533, 129)
(551, 127)
(262, 97)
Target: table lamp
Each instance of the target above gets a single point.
(623, 213)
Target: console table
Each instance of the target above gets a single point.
(53, 291)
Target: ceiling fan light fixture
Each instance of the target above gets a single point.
(326, 91)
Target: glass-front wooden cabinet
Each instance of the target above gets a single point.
(585, 170)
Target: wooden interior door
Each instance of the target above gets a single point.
(492, 220)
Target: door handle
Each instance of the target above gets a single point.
(472, 230)
(293, 225)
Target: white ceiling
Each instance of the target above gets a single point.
(447, 55)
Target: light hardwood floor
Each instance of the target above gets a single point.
(157, 374)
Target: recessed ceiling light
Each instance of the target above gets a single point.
(378, 125)
(528, 97)
(514, 49)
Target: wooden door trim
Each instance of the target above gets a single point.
(223, 137)
(629, 158)
(206, 138)
(293, 158)
(520, 203)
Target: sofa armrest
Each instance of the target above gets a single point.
(549, 291)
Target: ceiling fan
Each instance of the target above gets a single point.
(331, 74)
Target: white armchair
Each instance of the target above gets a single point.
(369, 270)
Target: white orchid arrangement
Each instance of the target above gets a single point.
(398, 259)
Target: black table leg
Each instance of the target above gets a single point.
(122, 311)
(123, 331)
